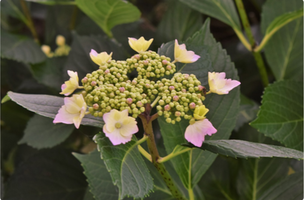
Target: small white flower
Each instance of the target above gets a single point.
(71, 85)
(219, 85)
(72, 111)
(119, 127)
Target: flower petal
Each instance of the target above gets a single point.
(196, 132)
(140, 45)
(219, 85)
(182, 55)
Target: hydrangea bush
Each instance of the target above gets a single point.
(120, 116)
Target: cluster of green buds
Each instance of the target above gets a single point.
(179, 96)
(108, 92)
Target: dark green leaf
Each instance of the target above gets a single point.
(48, 106)
(223, 10)
(21, 48)
(79, 58)
(98, 177)
(290, 188)
(14, 9)
(257, 176)
(126, 166)
(50, 72)
(244, 149)
(48, 175)
(54, 2)
(223, 109)
(248, 111)
(179, 22)
(108, 14)
(284, 51)
(42, 133)
(219, 181)
(281, 113)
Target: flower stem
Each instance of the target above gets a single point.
(29, 23)
(257, 56)
(144, 153)
(172, 155)
(147, 124)
(155, 101)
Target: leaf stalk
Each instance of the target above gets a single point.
(257, 56)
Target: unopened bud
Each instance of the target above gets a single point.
(122, 89)
(60, 40)
(192, 105)
(95, 106)
(167, 107)
(129, 100)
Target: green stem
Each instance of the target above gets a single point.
(257, 56)
(147, 124)
(155, 101)
(29, 23)
(73, 19)
(171, 155)
(144, 153)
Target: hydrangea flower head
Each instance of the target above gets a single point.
(72, 111)
(139, 45)
(71, 85)
(196, 132)
(200, 112)
(119, 127)
(182, 55)
(219, 85)
(100, 58)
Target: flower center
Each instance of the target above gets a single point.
(118, 125)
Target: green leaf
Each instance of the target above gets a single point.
(256, 177)
(49, 72)
(278, 23)
(109, 13)
(47, 174)
(281, 113)
(79, 57)
(284, 50)
(13, 8)
(127, 168)
(98, 177)
(41, 132)
(223, 10)
(248, 111)
(48, 106)
(54, 2)
(244, 149)
(223, 109)
(219, 181)
(21, 48)
(179, 22)
(290, 188)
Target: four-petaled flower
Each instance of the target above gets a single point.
(100, 58)
(119, 127)
(182, 55)
(196, 132)
(71, 85)
(219, 85)
(139, 45)
(72, 111)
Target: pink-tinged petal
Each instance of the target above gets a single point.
(219, 85)
(116, 138)
(93, 52)
(119, 127)
(72, 111)
(207, 127)
(63, 116)
(196, 132)
(182, 55)
(230, 84)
